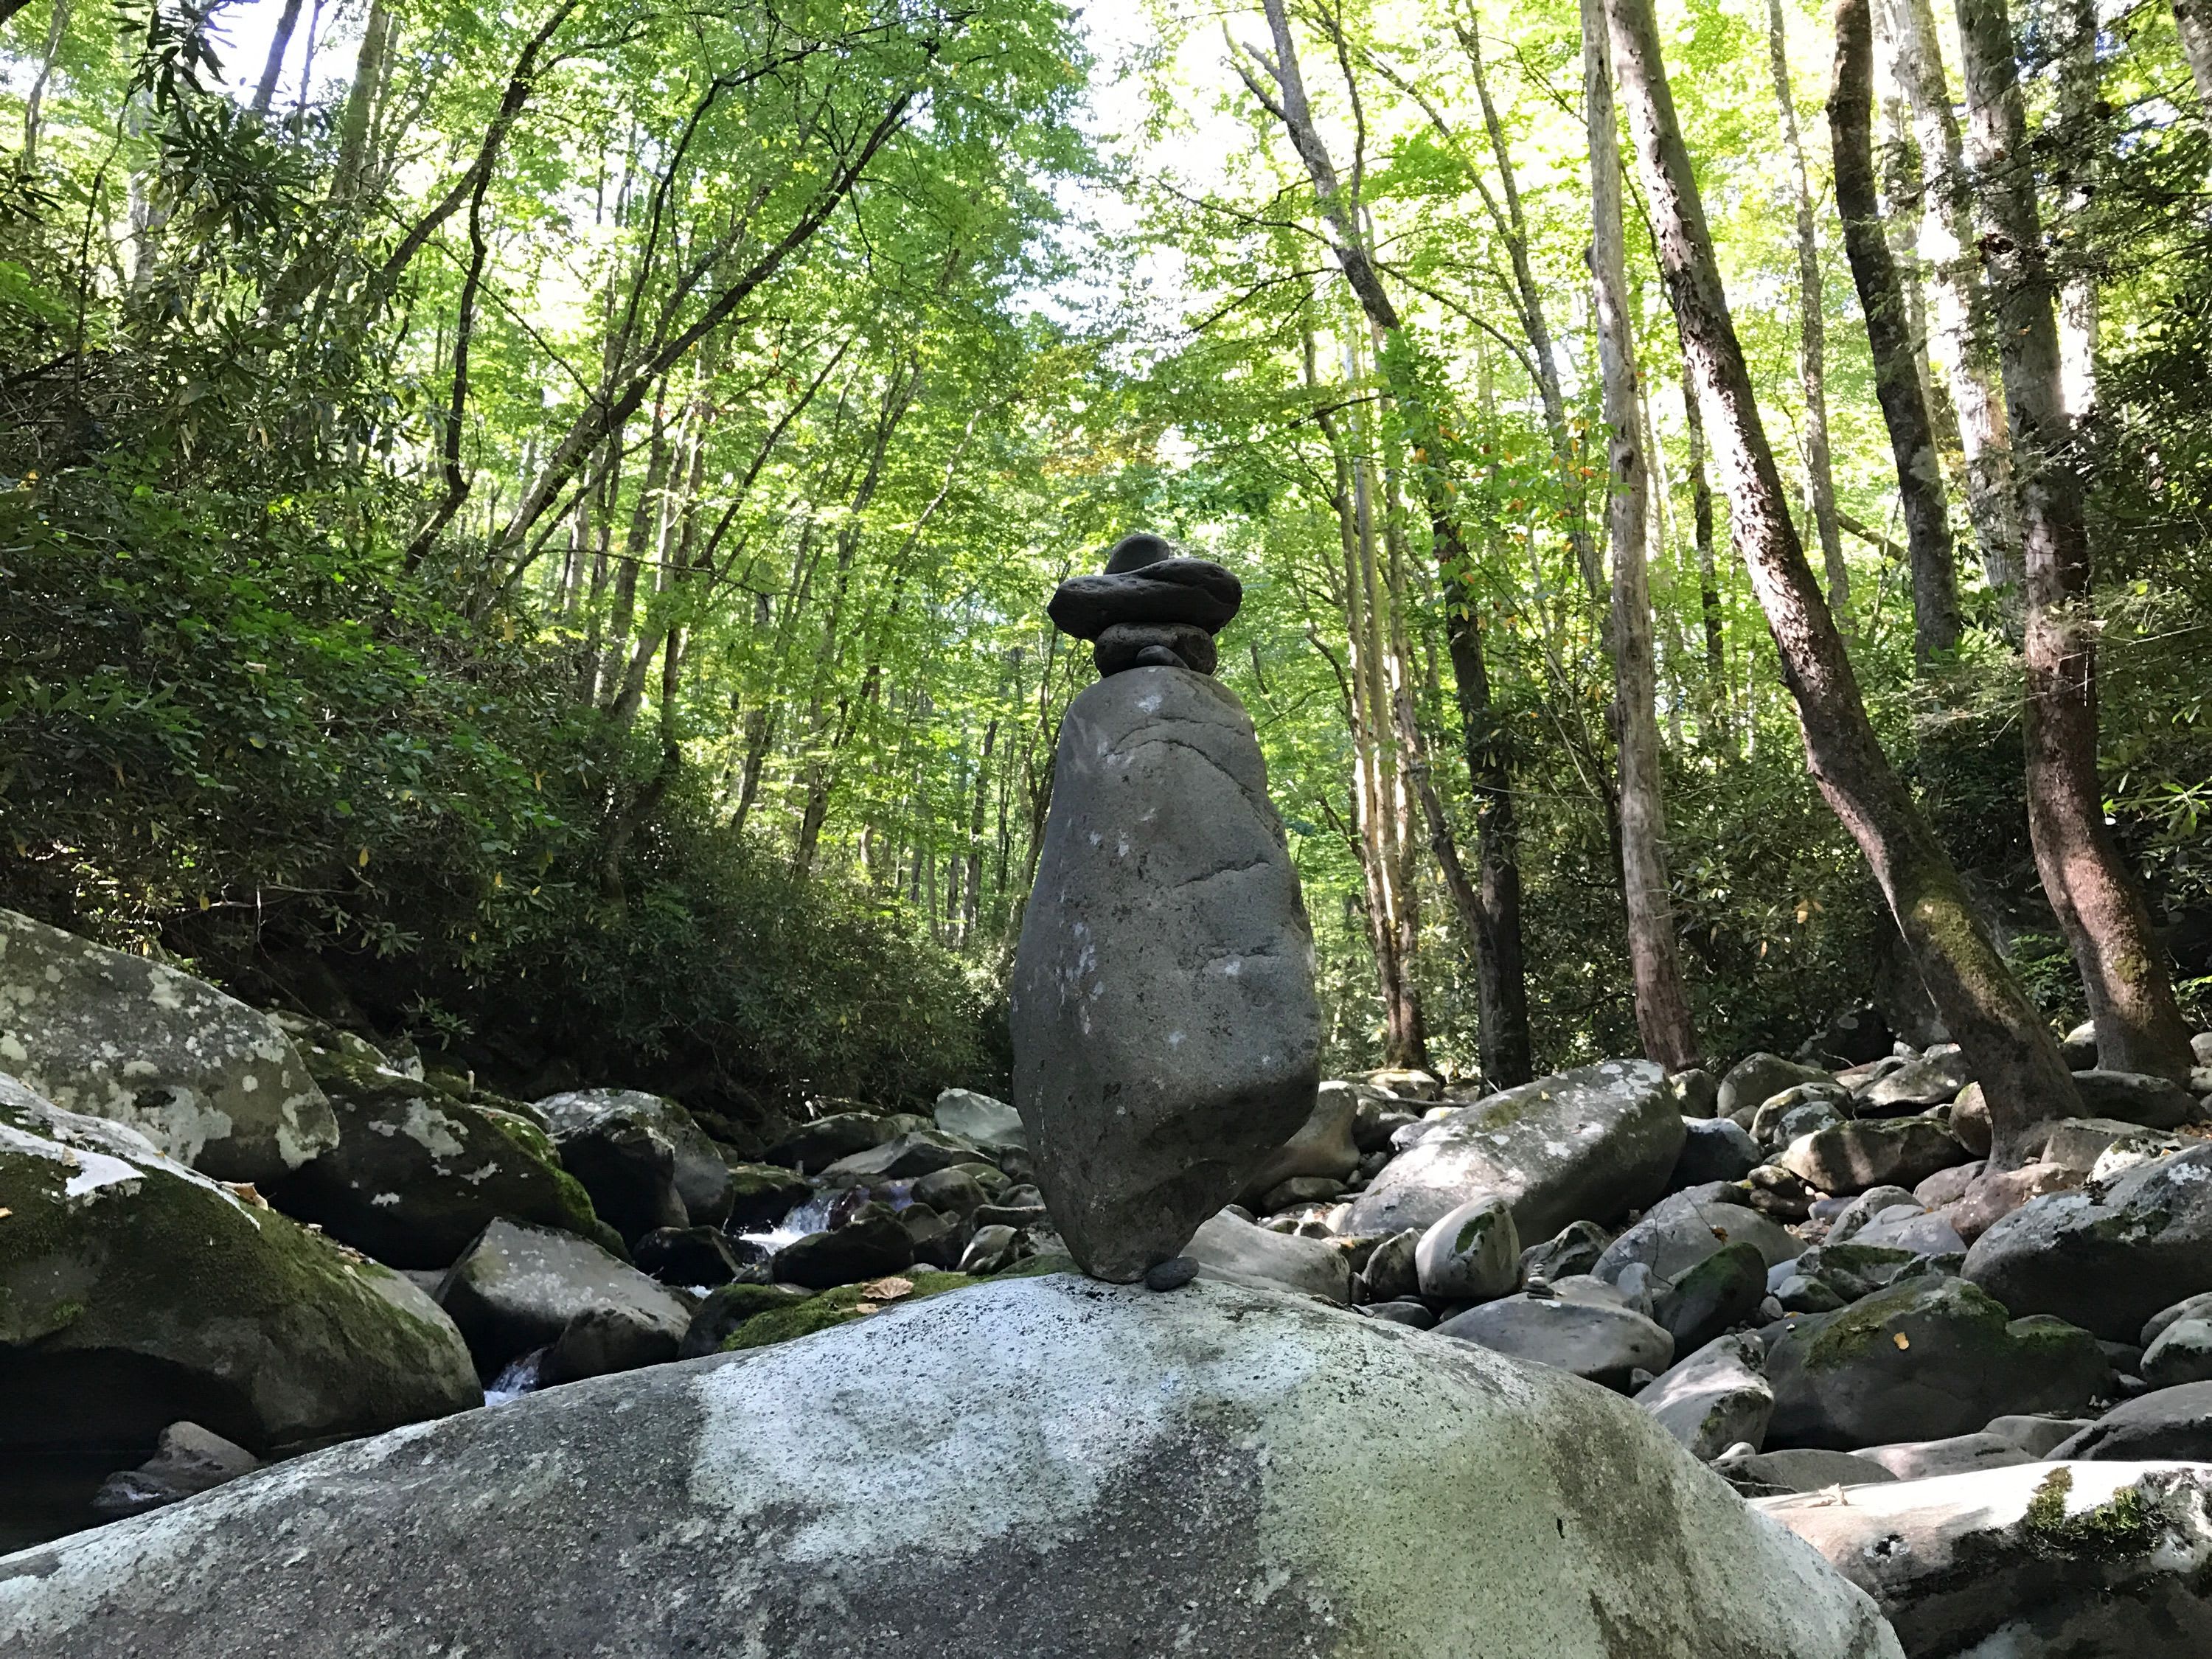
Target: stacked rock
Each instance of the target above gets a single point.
(1167, 1039)
(1151, 608)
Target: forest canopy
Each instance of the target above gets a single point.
(531, 527)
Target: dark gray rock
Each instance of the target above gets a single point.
(1697, 1093)
(1193, 592)
(2106, 1257)
(687, 1255)
(1857, 1038)
(1392, 1272)
(1960, 1454)
(627, 1165)
(517, 1287)
(1574, 1249)
(1125, 646)
(761, 1194)
(1608, 1345)
(1932, 1079)
(1714, 1295)
(1684, 1229)
(1415, 1316)
(859, 1492)
(1166, 1034)
(600, 1341)
(815, 1145)
(717, 1319)
(905, 1158)
(2156, 1102)
(2165, 1423)
(993, 1250)
(870, 1245)
(1798, 1468)
(209, 1082)
(1586, 1145)
(702, 1175)
(1716, 1398)
(1925, 1359)
(418, 1172)
(954, 1191)
(135, 1292)
(1714, 1149)
(1323, 1148)
(187, 1460)
(939, 1239)
(2036, 1434)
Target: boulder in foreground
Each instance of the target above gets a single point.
(1030, 1470)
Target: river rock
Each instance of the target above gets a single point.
(1935, 1077)
(1166, 1034)
(1472, 1255)
(135, 1292)
(1927, 1358)
(2155, 1102)
(1861, 1210)
(2108, 1256)
(703, 1176)
(211, 1083)
(870, 1244)
(1960, 1454)
(187, 1460)
(1849, 1158)
(1717, 1294)
(1716, 1398)
(1124, 646)
(1229, 1248)
(627, 1161)
(1586, 1145)
(980, 1120)
(1191, 592)
(2041, 1561)
(1757, 1079)
(418, 1172)
(903, 1158)
(1685, 1228)
(1796, 1468)
(2182, 1353)
(1714, 1149)
(1187, 1473)
(1323, 1146)
(1606, 1344)
(1574, 1249)
(815, 1144)
(517, 1287)
(2174, 1422)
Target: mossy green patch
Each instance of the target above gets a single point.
(2123, 1525)
(844, 1304)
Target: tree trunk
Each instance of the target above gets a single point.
(2005, 1040)
(1812, 332)
(1936, 625)
(1701, 513)
(2107, 927)
(1962, 330)
(2190, 19)
(272, 67)
(57, 32)
(1662, 1001)
(2076, 141)
(346, 176)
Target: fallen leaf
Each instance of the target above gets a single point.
(1901, 1340)
(888, 1290)
(4, 1214)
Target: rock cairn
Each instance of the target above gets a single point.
(1166, 1035)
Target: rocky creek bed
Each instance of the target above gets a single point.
(1560, 1369)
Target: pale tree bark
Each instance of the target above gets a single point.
(1662, 1000)
(1962, 335)
(368, 74)
(1701, 517)
(2193, 20)
(272, 67)
(2075, 140)
(1936, 625)
(2006, 1041)
(2098, 905)
(1812, 330)
(57, 32)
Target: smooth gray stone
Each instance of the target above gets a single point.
(1932, 1079)
(517, 1287)
(211, 1083)
(2164, 1423)
(2037, 1436)
(1604, 1344)
(1043, 1468)
(1235, 1250)
(1864, 1208)
(1716, 1398)
(1757, 1079)
(1684, 1227)
(1472, 1255)
(187, 1460)
(1849, 1158)
(1585, 1146)
(1959, 1454)
(980, 1120)
(1574, 1249)
(702, 1175)
(2189, 1307)
(1798, 1468)
(2156, 1102)
(1166, 1034)
(1919, 1233)
(2107, 1258)
(2182, 1353)
(1196, 592)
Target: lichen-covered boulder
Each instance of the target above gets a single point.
(1166, 1034)
(135, 1292)
(1929, 1358)
(418, 1172)
(212, 1082)
(1043, 1470)
(1587, 1145)
(702, 1174)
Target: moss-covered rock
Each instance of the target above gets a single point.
(761, 1194)
(781, 1318)
(210, 1082)
(420, 1170)
(135, 1292)
(1929, 1358)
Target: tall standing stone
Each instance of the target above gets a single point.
(1166, 1034)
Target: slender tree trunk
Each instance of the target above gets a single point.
(2100, 907)
(347, 176)
(1662, 1000)
(2076, 141)
(57, 32)
(1936, 624)
(1701, 513)
(2005, 1040)
(1962, 336)
(2194, 22)
(272, 67)
(1812, 332)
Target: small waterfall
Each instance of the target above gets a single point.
(828, 1210)
(518, 1377)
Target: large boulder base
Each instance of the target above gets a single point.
(135, 1292)
(1587, 1145)
(1038, 1469)
(212, 1082)
(1166, 1034)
